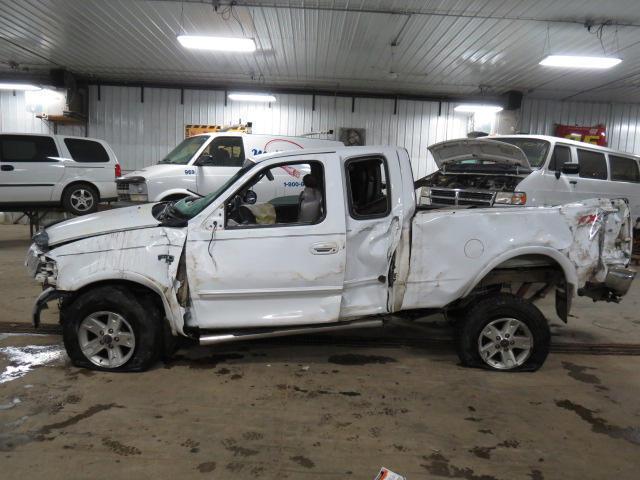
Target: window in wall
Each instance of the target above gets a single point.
(27, 148)
(624, 169)
(86, 150)
(367, 187)
(561, 155)
(592, 164)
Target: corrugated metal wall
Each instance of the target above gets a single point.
(622, 120)
(141, 133)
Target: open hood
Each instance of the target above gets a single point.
(99, 223)
(455, 151)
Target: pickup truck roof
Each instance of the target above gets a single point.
(342, 151)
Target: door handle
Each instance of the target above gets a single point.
(6, 168)
(324, 248)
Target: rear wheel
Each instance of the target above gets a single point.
(108, 328)
(80, 199)
(505, 333)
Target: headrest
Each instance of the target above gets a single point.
(310, 181)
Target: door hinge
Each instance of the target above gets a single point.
(166, 258)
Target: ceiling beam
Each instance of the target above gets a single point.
(406, 12)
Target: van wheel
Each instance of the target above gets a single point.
(80, 199)
(505, 333)
(109, 329)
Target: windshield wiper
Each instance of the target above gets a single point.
(199, 195)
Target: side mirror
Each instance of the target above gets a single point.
(571, 168)
(250, 197)
(204, 160)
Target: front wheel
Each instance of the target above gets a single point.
(505, 333)
(109, 329)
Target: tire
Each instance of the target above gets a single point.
(80, 199)
(503, 326)
(140, 328)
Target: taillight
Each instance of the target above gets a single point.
(118, 170)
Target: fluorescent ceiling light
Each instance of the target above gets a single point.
(572, 61)
(477, 108)
(19, 86)
(222, 44)
(252, 97)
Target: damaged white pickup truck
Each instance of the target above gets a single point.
(351, 249)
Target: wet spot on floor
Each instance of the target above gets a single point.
(252, 436)
(119, 448)
(208, 362)
(21, 360)
(439, 466)
(10, 441)
(485, 452)
(207, 467)
(356, 359)
(303, 461)
(600, 425)
(350, 394)
(578, 372)
(234, 467)
(89, 412)
(223, 371)
(536, 475)
(236, 376)
(231, 445)
(486, 430)
(473, 419)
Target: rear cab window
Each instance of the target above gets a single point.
(624, 169)
(86, 151)
(592, 164)
(367, 188)
(27, 148)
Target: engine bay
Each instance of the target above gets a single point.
(472, 181)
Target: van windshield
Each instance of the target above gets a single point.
(534, 149)
(188, 208)
(185, 150)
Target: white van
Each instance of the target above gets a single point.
(201, 164)
(56, 170)
(528, 170)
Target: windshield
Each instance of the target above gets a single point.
(185, 150)
(535, 149)
(188, 208)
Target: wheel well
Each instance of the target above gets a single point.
(174, 196)
(80, 182)
(518, 275)
(132, 287)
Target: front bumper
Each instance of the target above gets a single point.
(132, 189)
(41, 303)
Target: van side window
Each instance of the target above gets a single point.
(624, 169)
(561, 155)
(224, 152)
(27, 148)
(592, 164)
(368, 192)
(86, 150)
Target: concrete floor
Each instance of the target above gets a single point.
(296, 409)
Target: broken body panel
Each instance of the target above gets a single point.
(213, 277)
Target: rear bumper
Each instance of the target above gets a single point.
(616, 285)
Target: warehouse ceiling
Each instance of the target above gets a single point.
(405, 47)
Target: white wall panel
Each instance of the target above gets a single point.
(142, 133)
(622, 120)
(14, 116)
